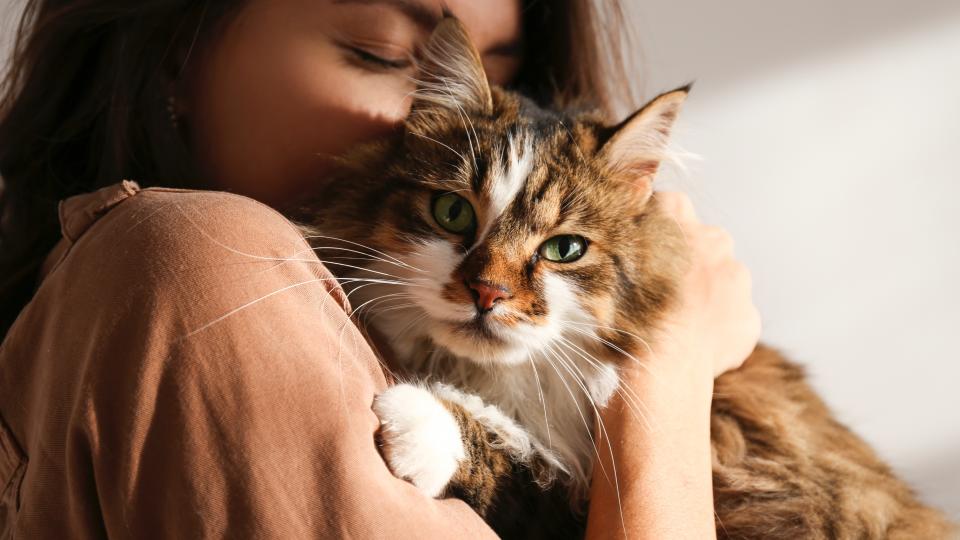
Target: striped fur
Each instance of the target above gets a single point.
(523, 380)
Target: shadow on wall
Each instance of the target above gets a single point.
(680, 39)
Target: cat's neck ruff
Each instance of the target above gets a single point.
(555, 395)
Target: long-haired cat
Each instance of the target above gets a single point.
(513, 257)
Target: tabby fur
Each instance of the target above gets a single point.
(521, 376)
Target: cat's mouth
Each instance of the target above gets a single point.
(480, 326)
(482, 339)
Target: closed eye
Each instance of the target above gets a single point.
(370, 60)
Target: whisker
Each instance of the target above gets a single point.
(294, 257)
(543, 401)
(615, 346)
(391, 296)
(464, 119)
(576, 403)
(461, 190)
(351, 242)
(604, 434)
(633, 401)
(368, 256)
(595, 360)
(208, 236)
(441, 144)
(359, 308)
(375, 308)
(604, 327)
(362, 269)
(350, 280)
(409, 325)
(388, 309)
(250, 303)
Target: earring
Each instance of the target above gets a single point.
(172, 111)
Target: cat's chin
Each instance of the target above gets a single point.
(479, 347)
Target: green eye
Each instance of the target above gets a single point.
(454, 213)
(564, 248)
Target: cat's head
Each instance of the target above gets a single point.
(498, 230)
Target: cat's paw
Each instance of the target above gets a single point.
(420, 439)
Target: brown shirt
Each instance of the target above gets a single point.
(187, 369)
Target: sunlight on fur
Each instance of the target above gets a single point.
(513, 257)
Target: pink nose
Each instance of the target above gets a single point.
(485, 294)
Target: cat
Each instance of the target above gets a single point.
(512, 257)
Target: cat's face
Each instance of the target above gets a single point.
(505, 231)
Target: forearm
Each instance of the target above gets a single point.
(663, 460)
(661, 451)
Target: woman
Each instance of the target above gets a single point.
(178, 366)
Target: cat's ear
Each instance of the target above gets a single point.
(450, 77)
(634, 148)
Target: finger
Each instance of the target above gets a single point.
(678, 205)
(740, 282)
(717, 239)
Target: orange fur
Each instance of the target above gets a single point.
(783, 466)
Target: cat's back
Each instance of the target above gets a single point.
(784, 467)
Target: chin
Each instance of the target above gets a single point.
(478, 343)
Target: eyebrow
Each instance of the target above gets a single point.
(415, 10)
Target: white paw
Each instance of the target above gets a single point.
(420, 438)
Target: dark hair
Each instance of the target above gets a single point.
(84, 102)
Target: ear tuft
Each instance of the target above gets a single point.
(634, 148)
(450, 75)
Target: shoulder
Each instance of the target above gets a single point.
(154, 227)
(163, 246)
(171, 217)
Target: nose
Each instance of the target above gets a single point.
(486, 294)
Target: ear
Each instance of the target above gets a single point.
(450, 76)
(634, 148)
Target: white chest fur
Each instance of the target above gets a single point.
(553, 399)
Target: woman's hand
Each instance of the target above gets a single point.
(657, 439)
(715, 322)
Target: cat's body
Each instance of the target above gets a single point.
(513, 257)
(784, 467)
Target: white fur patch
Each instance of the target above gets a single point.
(438, 259)
(411, 294)
(507, 179)
(421, 438)
(563, 308)
(514, 438)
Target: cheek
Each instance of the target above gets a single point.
(268, 111)
(434, 262)
(562, 300)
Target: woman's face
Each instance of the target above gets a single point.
(290, 83)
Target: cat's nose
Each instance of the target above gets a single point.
(486, 294)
